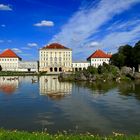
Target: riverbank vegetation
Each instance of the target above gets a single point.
(103, 73)
(123, 67)
(17, 135)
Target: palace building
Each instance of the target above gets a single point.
(55, 58)
(98, 57)
(9, 60)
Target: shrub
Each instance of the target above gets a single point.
(92, 70)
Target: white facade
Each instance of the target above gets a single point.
(28, 66)
(9, 64)
(96, 62)
(80, 65)
(55, 59)
(98, 58)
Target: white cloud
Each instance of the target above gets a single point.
(16, 50)
(5, 7)
(118, 38)
(93, 44)
(86, 22)
(45, 23)
(32, 44)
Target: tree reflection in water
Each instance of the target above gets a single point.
(131, 88)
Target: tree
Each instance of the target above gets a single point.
(127, 51)
(118, 59)
(136, 55)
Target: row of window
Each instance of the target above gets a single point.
(100, 60)
(8, 59)
(60, 64)
(81, 65)
(55, 59)
(56, 52)
(56, 56)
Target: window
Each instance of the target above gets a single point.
(51, 58)
(55, 59)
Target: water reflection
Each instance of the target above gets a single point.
(50, 86)
(124, 88)
(8, 85)
(98, 87)
(100, 107)
(130, 89)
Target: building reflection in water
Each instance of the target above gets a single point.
(50, 86)
(8, 85)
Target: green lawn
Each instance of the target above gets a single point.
(17, 135)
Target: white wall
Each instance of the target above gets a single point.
(55, 58)
(99, 61)
(81, 65)
(9, 64)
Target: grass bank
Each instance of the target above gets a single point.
(18, 135)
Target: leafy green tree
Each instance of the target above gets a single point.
(92, 70)
(136, 55)
(127, 56)
(118, 59)
(127, 51)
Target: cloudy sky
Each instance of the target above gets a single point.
(83, 25)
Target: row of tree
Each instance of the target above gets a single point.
(127, 56)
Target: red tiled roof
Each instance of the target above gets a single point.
(99, 54)
(9, 54)
(55, 46)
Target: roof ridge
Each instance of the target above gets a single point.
(55, 46)
(9, 53)
(99, 54)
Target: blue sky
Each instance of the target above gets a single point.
(83, 25)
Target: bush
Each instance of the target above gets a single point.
(106, 68)
(92, 70)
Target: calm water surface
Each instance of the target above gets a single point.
(48, 104)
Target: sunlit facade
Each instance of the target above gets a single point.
(80, 65)
(98, 58)
(9, 61)
(55, 58)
